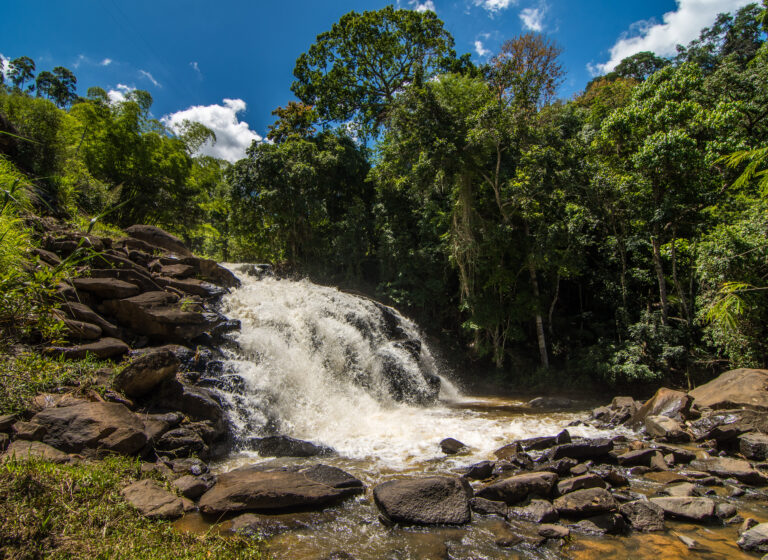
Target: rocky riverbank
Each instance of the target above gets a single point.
(149, 305)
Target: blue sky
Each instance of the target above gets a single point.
(192, 55)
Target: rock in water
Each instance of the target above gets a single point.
(517, 488)
(284, 446)
(692, 509)
(436, 500)
(585, 503)
(252, 489)
(755, 539)
(643, 515)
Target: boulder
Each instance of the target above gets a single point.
(152, 500)
(29, 431)
(545, 442)
(22, 450)
(480, 471)
(754, 446)
(193, 487)
(508, 451)
(643, 515)
(755, 539)
(159, 238)
(517, 488)
(688, 508)
(640, 457)
(84, 313)
(734, 389)
(192, 286)
(680, 489)
(6, 421)
(103, 349)
(284, 446)
(106, 288)
(434, 500)
(551, 531)
(181, 442)
(81, 329)
(251, 488)
(451, 446)
(605, 523)
(140, 278)
(725, 510)
(488, 507)
(196, 402)
(725, 467)
(579, 483)
(177, 270)
(212, 271)
(146, 372)
(583, 449)
(585, 503)
(666, 402)
(667, 428)
(538, 511)
(92, 425)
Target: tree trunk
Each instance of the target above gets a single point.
(676, 281)
(660, 278)
(539, 321)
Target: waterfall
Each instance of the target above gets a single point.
(320, 364)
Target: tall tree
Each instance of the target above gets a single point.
(22, 70)
(355, 70)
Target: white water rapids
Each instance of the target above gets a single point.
(314, 363)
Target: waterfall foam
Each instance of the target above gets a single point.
(344, 371)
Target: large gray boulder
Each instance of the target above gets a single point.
(434, 500)
(92, 425)
(517, 488)
(734, 389)
(273, 490)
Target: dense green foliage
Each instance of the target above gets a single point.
(619, 236)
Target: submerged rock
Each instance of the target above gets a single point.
(434, 500)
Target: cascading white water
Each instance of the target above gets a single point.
(344, 371)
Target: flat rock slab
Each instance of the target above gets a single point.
(152, 500)
(251, 489)
(641, 457)
(517, 488)
(584, 449)
(94, 425)
(585, 503)
(724, 467)
(692, 509)
(21, 450)
(159, 238)
(734, 389)
(435, 500)
(107, 288)
(580, 483)
(104, 348)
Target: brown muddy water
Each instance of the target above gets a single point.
(485, 424)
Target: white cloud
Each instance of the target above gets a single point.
(5, 61)
(533, 18)
(494, 6)
(427, 5)
(118, 93)
(150, 77)
(232, 136)
(480, 49)
(196, 68)
(678, 28)
(106, 62)
(80, 59)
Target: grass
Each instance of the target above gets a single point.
(75, 511)
(28, 374)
